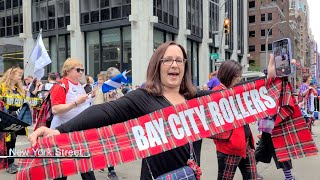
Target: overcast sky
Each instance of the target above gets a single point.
(314, 6)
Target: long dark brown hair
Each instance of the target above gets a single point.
(229, 70)
(153, 83)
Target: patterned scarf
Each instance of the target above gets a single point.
(135, 139)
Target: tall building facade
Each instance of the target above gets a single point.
(263, 17)
(11, 25)
(125, 33)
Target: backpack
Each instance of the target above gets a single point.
(45, 116)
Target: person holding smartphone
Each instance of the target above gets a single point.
(68, 98)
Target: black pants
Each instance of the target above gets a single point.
(85, 176)
(110, 168)
(265, 151)
(10, 146)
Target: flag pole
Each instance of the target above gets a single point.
(40, 33)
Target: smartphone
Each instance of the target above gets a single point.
(282, 57)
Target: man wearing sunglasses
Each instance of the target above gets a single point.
(68, 98)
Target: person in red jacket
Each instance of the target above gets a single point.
(235, 148)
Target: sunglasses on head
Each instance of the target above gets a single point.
(79, 69)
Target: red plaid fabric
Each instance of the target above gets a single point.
(43, 114)
(3, 148)
(291, 137)
(112, 145)
(228, 164)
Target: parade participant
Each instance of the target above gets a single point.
(52, 79)
(168, 82)
(88, 87)
(213, 81)
(306, 98)
(11, 84)
(26, 84)
(110, 96)
(235, 148)
(68, 98)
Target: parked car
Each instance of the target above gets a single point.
(250, 75)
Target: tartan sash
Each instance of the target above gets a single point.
(171, 127)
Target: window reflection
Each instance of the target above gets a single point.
(111, 54)
(114, 53)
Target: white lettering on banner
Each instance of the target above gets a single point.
(248, 103)
(263, 93)
(215, 114)
(141, 140)
(201, 114)
(174, 120)
(227, 110)
(235, 111)
(160, 128)
(184, 123)
(152, 134)
(257, 101)
(243, 111)
(189, 113)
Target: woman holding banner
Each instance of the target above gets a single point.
(11, 85)
(168, 82)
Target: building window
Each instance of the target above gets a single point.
(167, 12)
(263, 32)
(252, 4)
(95, 12)
(158, 38)
(193, 60)
(2, 5)
(263, 47)
(270, 47)
(252, 48)
(8, 4)
(270, 32)
(269, 16)
(213, 19)
(252, 19)
(252, 33)
(263, 17)
(108, 48)
(194, 17)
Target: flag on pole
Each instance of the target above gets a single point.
(39, 57)
(114, 82)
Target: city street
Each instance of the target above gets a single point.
(303, 169)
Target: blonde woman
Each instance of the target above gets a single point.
(68, 98)
(11, 84)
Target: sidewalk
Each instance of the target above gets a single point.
(304, 168)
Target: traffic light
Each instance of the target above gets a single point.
(226, 26)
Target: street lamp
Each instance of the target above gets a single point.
(266, 48)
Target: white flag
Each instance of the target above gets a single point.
(40, 58)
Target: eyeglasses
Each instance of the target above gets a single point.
(79, 70)
(169, 61)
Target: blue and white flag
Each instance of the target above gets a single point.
(39, 57)
(114, 82)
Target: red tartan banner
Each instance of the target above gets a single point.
(164, 130)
